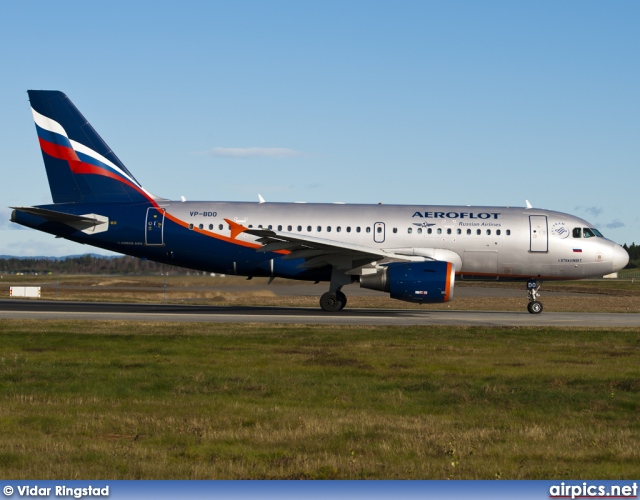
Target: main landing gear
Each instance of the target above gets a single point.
(333, 302)
(534, 306)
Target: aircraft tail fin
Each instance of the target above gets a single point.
(81, 168)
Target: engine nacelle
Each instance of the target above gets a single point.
(422, 282)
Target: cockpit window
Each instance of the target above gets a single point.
(587, 233)
(577, 232)
(597, 233)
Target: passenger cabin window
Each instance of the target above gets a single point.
(210, 227)
(449, 231)
(409, 230)
(358, 229)
(338, 229)
(368, 230)
(479, 231)
(508, 232)
(279, 228)
(419, 230)
(577, 232)
(429, 231)
(308, 228)
(289, 228)
(328, 229)
(439, 230)
(200, 226)
(319, 229)
(299, 228)
(348, 229)
(459, 231)
(395, 230)
(468, 231)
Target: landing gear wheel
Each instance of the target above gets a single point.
(330, 302)
(533, 291)
(342, 298)
(534, 307)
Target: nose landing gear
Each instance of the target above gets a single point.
(534, 306)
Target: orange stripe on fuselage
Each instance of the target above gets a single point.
(220, 237)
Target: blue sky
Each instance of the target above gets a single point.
(426, 102)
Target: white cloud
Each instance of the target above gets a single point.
(253, 152)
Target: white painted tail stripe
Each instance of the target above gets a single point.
(48, 124)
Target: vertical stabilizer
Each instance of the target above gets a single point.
(81, 168)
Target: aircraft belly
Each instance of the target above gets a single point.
(480, 261)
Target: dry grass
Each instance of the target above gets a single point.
(592, 296)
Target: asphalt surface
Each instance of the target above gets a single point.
(42, 309)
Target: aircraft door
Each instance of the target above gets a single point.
(539, 236)
(154, 227)
(378, 232)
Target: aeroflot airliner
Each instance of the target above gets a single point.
(412, 252)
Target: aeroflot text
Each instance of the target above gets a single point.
(456, 215)
(63, 491)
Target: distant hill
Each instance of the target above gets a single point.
(85, 264)
(44, 257)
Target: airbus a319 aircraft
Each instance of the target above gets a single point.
(412, 252)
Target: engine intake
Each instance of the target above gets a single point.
(422, 282)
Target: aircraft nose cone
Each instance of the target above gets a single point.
(620, 258)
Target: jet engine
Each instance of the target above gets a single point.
(421, 282)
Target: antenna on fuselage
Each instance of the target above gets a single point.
(529, 205)
(260, 199)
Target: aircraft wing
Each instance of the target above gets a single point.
(318, 252)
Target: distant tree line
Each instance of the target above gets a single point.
(96, 264)
(86, 264)
(634, 255)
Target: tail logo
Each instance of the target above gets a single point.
(55, 142)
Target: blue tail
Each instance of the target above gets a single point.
(80, 166)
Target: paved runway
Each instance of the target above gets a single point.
(41, 309)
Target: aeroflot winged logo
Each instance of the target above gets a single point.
(55, 142)
(456, 215)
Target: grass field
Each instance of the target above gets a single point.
(116, 400)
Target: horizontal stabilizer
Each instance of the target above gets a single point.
(88, 223)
